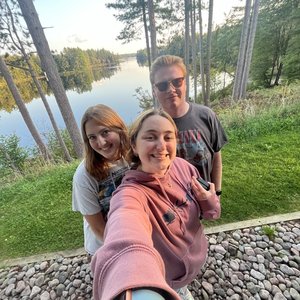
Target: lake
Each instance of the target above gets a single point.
(117, 92)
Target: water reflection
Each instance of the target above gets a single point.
(114, 87)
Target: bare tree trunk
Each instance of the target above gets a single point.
(208, 55)
(249, 49)
(146, 34)
(187, 46)
(193, 34)
(19, 45)
(23, 110)
(48, 64)
(276, 82)
(152, 29)
(201, 51)
(242, 50)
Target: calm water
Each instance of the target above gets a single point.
(117, 92)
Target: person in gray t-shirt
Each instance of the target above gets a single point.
(200, 134)
(106, 142)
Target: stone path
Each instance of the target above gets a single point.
(242, 264)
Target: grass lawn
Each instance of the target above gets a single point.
(261, 177)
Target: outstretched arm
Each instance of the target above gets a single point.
(216, 173)
(128, 259)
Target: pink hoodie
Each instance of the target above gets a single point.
(153, 237)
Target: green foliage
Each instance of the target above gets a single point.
(263, 112)
(12, 156)
(269, 231)
(54, 146)
(144, 98)
(142, 57)
(276, 26)
(292, 58)
(261, 175)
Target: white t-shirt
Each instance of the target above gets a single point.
(90, 196)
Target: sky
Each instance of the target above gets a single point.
(88, 24)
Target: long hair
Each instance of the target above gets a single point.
(165, 61)
(136, 127)
(103, 115)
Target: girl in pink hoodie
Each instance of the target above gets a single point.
(154, 239)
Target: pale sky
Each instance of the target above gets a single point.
(89, 24)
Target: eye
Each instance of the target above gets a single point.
(105, 132)
(149, 137)
(169, 137)
(91, 138)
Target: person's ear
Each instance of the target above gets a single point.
(134, 149)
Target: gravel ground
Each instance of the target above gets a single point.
(242, 264)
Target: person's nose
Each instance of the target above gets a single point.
(161, 144)
(171, 87)
(101, 141)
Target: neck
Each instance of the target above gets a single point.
(180, 111)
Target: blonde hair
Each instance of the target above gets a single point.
(136, 127)
(165, 61)
(103, 115)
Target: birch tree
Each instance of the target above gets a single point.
(249, 49)
(193, 42)
(201, 52)
(208, 52)
(187, 44)
(242, 50)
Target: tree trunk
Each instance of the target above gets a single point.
(193, 34)
(146, 33)
(201, 51)
(249, 50)
(187, 46)
(208, 54)
(276, 82)
(152, 29)
(49, 66)
(23, 110)
(242, 50)
(20, 46)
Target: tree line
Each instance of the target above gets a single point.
(258, 44)
(77, 68)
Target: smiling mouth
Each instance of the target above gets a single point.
(161, 157)
(105, 148)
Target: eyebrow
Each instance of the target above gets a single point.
(155, 131)
(100, 131)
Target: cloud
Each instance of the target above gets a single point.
(74, 38)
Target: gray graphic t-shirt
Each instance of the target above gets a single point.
(200, 135)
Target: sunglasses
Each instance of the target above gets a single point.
(164, 85)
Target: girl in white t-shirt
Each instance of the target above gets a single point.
(106, 143)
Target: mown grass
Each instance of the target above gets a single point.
(36, 214)
(261, 177)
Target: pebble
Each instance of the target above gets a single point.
(241, 265)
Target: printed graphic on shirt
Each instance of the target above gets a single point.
(169, 217)
(107, 187)
(192, 147)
